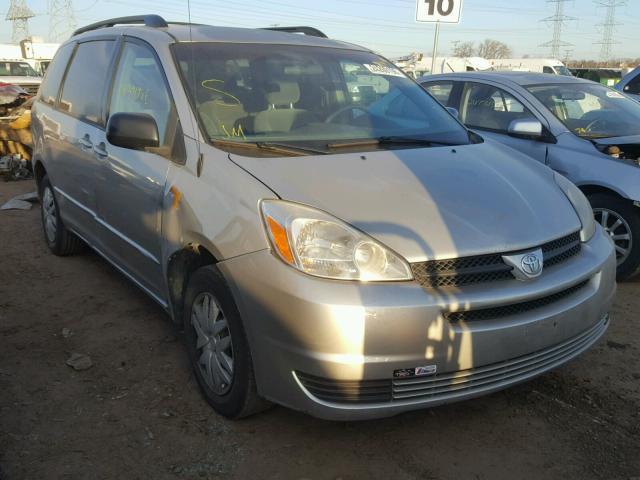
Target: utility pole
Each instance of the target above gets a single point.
(62, 20)
(608, 26)
(558, 20)
(19, 14)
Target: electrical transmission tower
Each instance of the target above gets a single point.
(19, 14)
(608, 26)
(62, 20)
(558, 20)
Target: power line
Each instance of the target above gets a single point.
(19, 14)
(62, 20)
(558, 20)
(608, 26)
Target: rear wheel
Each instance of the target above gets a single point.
(621, 221)
(217, 346)
(59, 240)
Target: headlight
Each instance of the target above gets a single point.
(316, 243)
(581, 206)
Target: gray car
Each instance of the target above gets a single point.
(585, 131)
(329, 236)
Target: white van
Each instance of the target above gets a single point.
(537, 65)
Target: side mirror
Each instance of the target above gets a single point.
(136, 131)
(454, 112)
(525, 128)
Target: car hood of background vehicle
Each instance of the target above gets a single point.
(429, 203)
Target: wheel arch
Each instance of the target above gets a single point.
(180, 266)
(39, 171)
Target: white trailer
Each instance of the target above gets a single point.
(536, 65)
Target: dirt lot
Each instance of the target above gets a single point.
(138, 414)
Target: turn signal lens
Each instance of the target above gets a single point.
(280, 240)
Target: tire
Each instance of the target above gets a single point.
(60, 241)
(233, 395)
(609, 210)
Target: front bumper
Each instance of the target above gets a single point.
(308, 335)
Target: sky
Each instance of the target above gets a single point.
(388, 27)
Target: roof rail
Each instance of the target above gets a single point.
(154, 21)
(313, 32)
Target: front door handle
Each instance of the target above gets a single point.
(85, 142)
(100, 150)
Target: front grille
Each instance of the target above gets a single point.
(455, 272)
(513, 309)
(31, 89)
(450, 385)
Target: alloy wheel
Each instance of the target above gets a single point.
(49, 215)
(213, 343)
(618, 229)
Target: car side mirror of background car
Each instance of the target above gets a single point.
(454, 112)
(136, 131)
(526, 128)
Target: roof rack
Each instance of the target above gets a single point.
(154, 21)
(313, 32)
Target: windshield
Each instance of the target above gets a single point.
(16, 69)
(562, 70)
(590, 110)
(309, 97)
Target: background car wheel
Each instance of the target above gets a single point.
(60, 240)
(217, 346)
(621, 220)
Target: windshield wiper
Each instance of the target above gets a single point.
(388, 140)
(269, 146)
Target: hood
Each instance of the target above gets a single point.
(429, 203)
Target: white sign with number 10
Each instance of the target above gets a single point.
(444, 11)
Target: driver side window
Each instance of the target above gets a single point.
(490, 108)
(140, 87)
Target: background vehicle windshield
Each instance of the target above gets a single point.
(590, 110)
(285, 93)
(16, 69)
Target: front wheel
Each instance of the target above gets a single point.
(217, 346)
(621, 221)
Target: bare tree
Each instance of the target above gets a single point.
(494, 49)
(464, 49)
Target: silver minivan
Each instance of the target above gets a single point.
(329, 236)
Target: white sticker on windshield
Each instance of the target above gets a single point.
(612, 94)
(383, 70)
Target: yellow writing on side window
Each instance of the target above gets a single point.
(235, 131)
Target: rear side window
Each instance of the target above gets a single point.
(86, 79)
(547, 70)
(53, 79)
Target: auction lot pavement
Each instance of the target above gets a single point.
(136, 413)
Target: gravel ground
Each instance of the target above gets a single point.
(136, 412)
